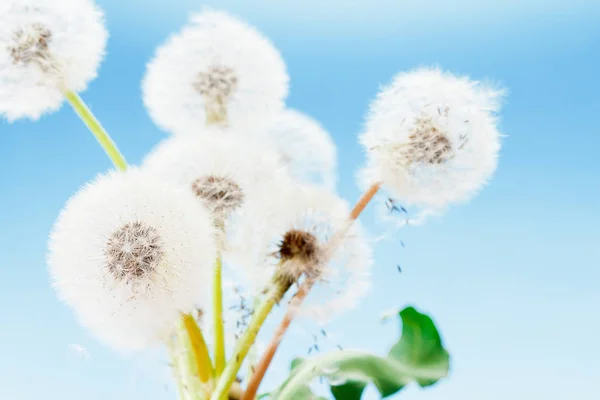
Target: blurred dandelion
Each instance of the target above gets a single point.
(47, 47)
(217, 70)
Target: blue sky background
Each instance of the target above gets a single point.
(512, 279)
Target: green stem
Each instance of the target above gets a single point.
(243, 345)
(218, 317)
(94, 126)
(252, 352)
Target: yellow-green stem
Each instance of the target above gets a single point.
(218, 317)
(252, 352)
(94, 126)
(245, 342)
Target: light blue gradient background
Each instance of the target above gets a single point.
(512, 279)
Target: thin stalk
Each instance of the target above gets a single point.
(245, 342)
(218, 317)
(252, 353)
(336, 239)
(94, 126)
(267, 357)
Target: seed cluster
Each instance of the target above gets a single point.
(221, 194)
(133, 251)
(217, 84)
(31, 45)
(427, 144)
(300, 254)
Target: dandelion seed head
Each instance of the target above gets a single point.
(129, 254)
(233, 179)
(217, 68)
(432, 138)
(133, 251)
(217, 84)
(294, 245)
(47, 46)
(31, 45)
(222, 194)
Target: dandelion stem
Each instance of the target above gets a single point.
(94, 126)
(218, 317)
(336, 239)
(364, 200)
(267, 357)
(245, 342)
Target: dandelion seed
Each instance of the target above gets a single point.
(46, 47)
(80, 351)
(431, 138)
(217, 70)
(130, 253)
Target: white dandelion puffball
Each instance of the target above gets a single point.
(47, 46)
(432, 137)
(234, 180)
(217, 69)
(305, 147)
(129, 253)
(296, 246)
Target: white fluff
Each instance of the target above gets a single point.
(68, 55)
(429, 170)
(214, 40)
(305, 146)
(254, 169)
(131, 314)
(345, 279)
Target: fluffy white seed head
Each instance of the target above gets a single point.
(234, 180)
(431, 137)
(305, 147)
(46, 45)
(294, 245)
(218, 70)
(129, 253)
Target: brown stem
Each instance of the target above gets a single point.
(267, 357)
(261, 368)
(364, 200)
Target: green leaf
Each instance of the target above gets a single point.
(418, 356)
(351, 390)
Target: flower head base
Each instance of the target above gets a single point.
(300, 254)
(47, 47)
(133, 251)
(427, 144)
(216, 70)
(217, 85)
(31, 45)
(431, 138)
(221, 194)
(130, 253)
